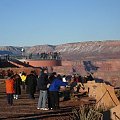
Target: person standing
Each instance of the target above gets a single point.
(31, 83)
(54, 91)
(51, 78)
(42, 86)
(10, 89)
(23, 77)
(17, 84)
(90, 76)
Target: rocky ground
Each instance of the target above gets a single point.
(25, 109)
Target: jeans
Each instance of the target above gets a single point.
(42, 99)
(23, 85)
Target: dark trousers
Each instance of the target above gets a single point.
(48, 97)
(10, 99)
(23, 85)
(54, 99)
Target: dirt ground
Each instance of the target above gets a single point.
(25, 109)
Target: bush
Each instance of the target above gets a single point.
(86, 113)
(117, 92)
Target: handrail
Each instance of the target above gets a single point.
(101, 97)
(109, 95)
(34, 56)
(116, 116)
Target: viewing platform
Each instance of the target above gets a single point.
(36, 60)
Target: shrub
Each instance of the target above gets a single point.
(117, 92)
(86, 113)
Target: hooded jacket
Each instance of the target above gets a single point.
(43, 81)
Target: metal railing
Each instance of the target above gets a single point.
(32, 57)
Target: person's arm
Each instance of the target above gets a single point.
(63, 83)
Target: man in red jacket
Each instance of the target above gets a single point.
(10, 89)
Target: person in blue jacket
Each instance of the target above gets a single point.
(54, 91)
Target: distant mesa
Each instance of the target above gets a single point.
(98, 50)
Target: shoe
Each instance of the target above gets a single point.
(45, 109)
(40, 108)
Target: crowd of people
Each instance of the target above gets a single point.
(44, 55)
(47, 85)
(4, 73)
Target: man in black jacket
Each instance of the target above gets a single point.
(42, 86)
(31, 82)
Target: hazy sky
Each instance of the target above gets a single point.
(38, 22)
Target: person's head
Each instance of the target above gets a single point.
(9, 75)
(45, 70)
(54, 74)
(72, 78)
(59, 76)
(23, 73)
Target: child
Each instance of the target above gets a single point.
(10, 89)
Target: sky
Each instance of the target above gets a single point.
(54, 22)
